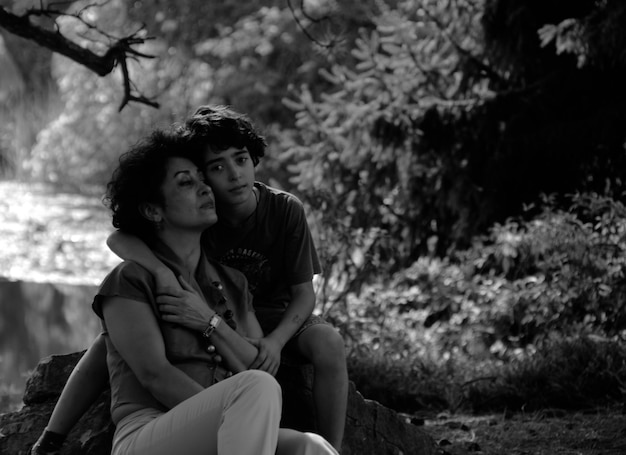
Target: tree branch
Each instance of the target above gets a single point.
(102, 65)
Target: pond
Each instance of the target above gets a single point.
(38, 320)
(47, 236)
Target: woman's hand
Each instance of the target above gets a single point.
(268, 358)
(185, 307)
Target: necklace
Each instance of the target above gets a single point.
(221, 304)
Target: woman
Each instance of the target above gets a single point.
(183, 388)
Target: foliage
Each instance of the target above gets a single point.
(531, 316)
(359, 159)
(233, 52)
(437, 133)
(562, 373)
(562, 272)
(415, 142)
(591, 31)
(81, 146)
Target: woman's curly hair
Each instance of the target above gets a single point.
(137, 180)
(219, 128)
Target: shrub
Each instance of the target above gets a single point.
(512, 317)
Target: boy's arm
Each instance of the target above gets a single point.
(299, 309)
(87, 381)
(131, 248)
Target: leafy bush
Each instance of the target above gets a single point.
(515, 315)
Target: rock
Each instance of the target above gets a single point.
(19, 430)
(370, 427)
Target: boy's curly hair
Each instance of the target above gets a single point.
(219, 128)
(137, 180)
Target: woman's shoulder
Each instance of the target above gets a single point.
(127, 280)
(127, 275)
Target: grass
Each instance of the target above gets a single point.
(561, 373)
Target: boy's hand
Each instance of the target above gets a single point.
(268, 358)
(166, 282)
(184, 307)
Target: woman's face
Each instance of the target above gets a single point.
(188, 202)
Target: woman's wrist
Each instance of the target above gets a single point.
(211, 326)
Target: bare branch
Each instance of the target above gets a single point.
(329, 44)
(118, 52)
(128, 92)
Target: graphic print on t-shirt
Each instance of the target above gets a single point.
(249, 262)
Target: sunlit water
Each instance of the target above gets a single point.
(47, 237)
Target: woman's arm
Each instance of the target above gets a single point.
(135, 333)
(189, 310)
(131, 248)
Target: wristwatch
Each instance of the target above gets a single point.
(213, 323)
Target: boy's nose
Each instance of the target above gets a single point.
(233, 173)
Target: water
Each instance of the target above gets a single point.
(38, 320)
(47, 236)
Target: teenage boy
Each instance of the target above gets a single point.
(263, 232)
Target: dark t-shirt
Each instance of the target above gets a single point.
(274, 248)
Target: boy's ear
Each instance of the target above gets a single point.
(150, 212)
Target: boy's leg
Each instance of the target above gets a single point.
(88, 380)
(322, 345)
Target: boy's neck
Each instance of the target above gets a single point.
(238, 215)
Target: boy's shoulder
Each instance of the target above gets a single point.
(275, 196)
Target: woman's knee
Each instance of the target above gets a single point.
(260, 382)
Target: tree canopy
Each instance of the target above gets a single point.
(410, 126)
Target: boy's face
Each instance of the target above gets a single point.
(230, 173)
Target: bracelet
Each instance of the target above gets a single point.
(213, 323)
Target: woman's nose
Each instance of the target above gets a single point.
(205, 188)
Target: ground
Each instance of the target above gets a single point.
(548, 432)
(48, 236)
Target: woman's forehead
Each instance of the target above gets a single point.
(178, 163)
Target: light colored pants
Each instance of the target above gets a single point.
(237, 416)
